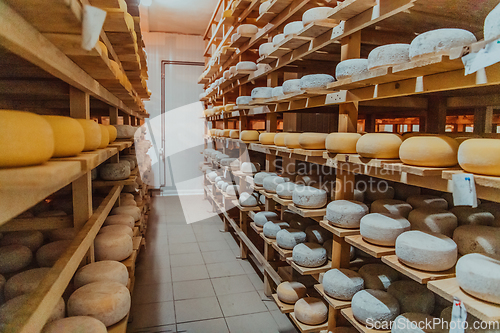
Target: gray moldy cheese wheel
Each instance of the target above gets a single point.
(412, 296)
(130, 158)
(265, 49)
(479, 276)
(316, 81)
(388, 55)
(382, 229)
(262, 92)
(285, 190)
(346, 213)
(24, 282)
(317, 234)
(350, 67)
(135, 212)
(246, 66)
(309, 197)
(309, 255)
(478, 239)
(426, 251)
(475, 216)
(262, 218)
(481, 156)
(293, 28)
(109, 246)
(439, 41)
(107, 301)
(124, 131)
(233, 190)
(270, 183)
(271, 228)
(379, 145)
(427, 202)
(391, 206)
(117, 228)
(492, 24)
(291, 292)
(105, 270)
(370, 306)
(212, 175)
(316, 14)
(243, 100)
(342, 143)
(10, 309)
(31, 239)
(78, 324)
(342, 283)
(123, 219)
(292, 140)
(62, 234)
(227, 161)
(47, 255)
(14, 258)
(405, 323)
(247, 200)
(289, 237)
(278, 91)
(291, 86)
(378, 276)
(433, 220)
(429, 151)
(310, 311)
(312, 140)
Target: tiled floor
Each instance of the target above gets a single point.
(189, 278)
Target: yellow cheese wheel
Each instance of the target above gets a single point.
(279, 139)
(26, 139)
(115, 68)
(342, 143)
(249, 135)
(292, 140)
(69, 138)
(112, 133)
(267, 138)
(92, 134)
(480, 156)
(226, 133)
(104, 136)
(379, 145)
(103, 48)
(129, 21)
(234, 134)
(312, 140)
(430, 151)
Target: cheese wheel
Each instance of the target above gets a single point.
(232, 190)
(27, 138)
(278, 91)
(249, 168)
(374, 306)
(278, 39)
(491, 24)
(316, 81)
(115, 171)
(412, 296)
(290, 292)
(69, 138)
(225, 133)
(379, 145)
(105, 270)
(430, 151)
(427, 201)
(439, 41)
(110, 246)
(117, 228)
(249, 135)
(293, 28)
(31, 239)
(342, 283)
(391, 206)
(62, 234)
(227, 161)
(285, 190)
(259, 177)
(246, 66)
(76, 324)
(265, 49)
(309, 197)
(262, 218)
(478, 239)
(125, 131)
(135, 212)
(347, 68)
(107, 301)
(271, 228)
(316, 15)
(279, 139)
(112, 133)
(405, 323)
(104, 137)
(479, 276)
(317, 234)
(247, 200)
(232, 70)
(267, 138)
(481, 156)
(130, 158)
(342, 143)
(291, 86)
(14, 258)
(234, 134)
(378, 276)
(292, 140)
(264, 7)
(262, 92)
(312, 140)
(383, 229)
(310, 311)
(388, 55)
(433, 220)
(47, 255)
(309, 255)
(271, 183)
(288, 238)
(247, 29)
(123, 219)
(10, 309)
(346, 213)
(24, 282)
(92, 134)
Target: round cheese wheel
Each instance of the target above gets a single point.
(264, 7)
(224, 187)
(379, 145)
(123, 219)
(278, 91)
(31, 239)
(290, 292)
(265, 49)
(478, 239)
(47, 255)
(285, 190)
(412, 296)
(271, 228)
(291, 86)
(378, 276)
(491, 24)
(249, 135)
(309, 197)
(481, 156)
(309, 255)
(310, 311)
(289, 237)
(259, 177)
(249, 168)
(246, 66)
(267, 138)
(69, 138)
(374, 306)
(262, 218)
(383, 229)
(316, 81)
(112, 132)
(128, 203)
(279, 139)
(105, 270)
(342, 283)
(406, 323)
(388, 55)
(346, 213)
(212, 175)
(312, 140)
(104, 137)
(433, 220)
(62, 234)
(317, 234)
(430, 151)
(135, 212)
(116, 229)
(131, 158)
(115, 171)
(247, 200)
(232, 70)
(278, 39)
(262, 92)
(292, 140)
(92, 134)
(14, 258)
(107, 301)
(468, 215)
(342, 143)
(479, 276)
(271, 183)
(110, 246)
(227, 161)
(131, 188)
(232, 190)
(225, 133)
(20, 149)
(439, 41)
(24, 282)
(247, 29)
(316, 15)
(75, 324)
(9, 310)
(427, 202)
(426, 251)
(347, 68)
(293, 28)
(234, 134)
(391, 206)
(125, 131)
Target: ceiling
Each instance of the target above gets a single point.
(189, 17)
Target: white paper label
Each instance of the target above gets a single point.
(93, 20)
(458, 317)
(487, 56)
(464, 190)
(227, 143)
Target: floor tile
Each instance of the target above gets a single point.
(152, 293)
(183, 248)
(186, 259)
(284, 324)
(211, 236)
(236, 252)
(242, 303)
(213, 246)
(197, 309)
(152, 314)
(188, 238)
(152, 276)
(233, 244)
(222, 269)
(193, 289)
(256, 281)
(232, 285)
(188, 273)
(213, 257)
(253, 323)
(247, 266)
(148, 262)
(204, 326)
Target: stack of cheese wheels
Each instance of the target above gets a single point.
(309, 255)
(10, 309)
(315, 81)
(342, 143)
(104, 136)
(439, 41)
(427, 201)
(346, 213)
(75, 324)
(433, 220)
(285, 190)
(93, 134)
(317, 15)
(120, 219)
(309, 197)
(310, 311)
(271, 183)
(250, 168)
(24, 282)
(14, 258)
(374, 306)
(31, 239)
(379, 145)
(131, 158)
(383, 229)
(292, 140)
(249, 135)
(391, 206)
(69, 138)
(47, 255)
(478, 239)
(412, 296)
(259, 177)
(288, 238)
(481, 156)
(106, 270)
(378, 276)
(115, 171)
(342, 283)
(478, 275)
(317, 234)
(267, 138)
(429, 151)
(290, 292)
(20, 149)
(347, 68)
(388, 55)
(291, 86)
(113, 246)
(476, 216)
(232, 190)
(312, 140)
(279, 139)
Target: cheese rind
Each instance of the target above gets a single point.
(24, 282)
(104, 136)
(271, 183)
(346, 213)
(247, 200)
(478, 239)
(31, 239)
(234, 134)
(116, 229)
(288, 238)
(113, 133)
(278, 39)
(93, 134)
(429, 151)
(291, 86)
(249, 135)
(293, 28)
(14, 258)
(125, 131)
(309, 255)
(279, 139)
(246, 66)
(388, 55)
(479, 276)
(110, 246)
(481, 156)
(292, 140)
(475, 216)
(379, 145)
(267, 138)
(105, 270)
(115, 171)
(412, 296)
(350, 67)
(309, 197)
(47, 255)
(262, 92)
(427, 202)
(492, 24)
(290, 292)
(342, 283)
(391, 206)
(433, 220)
(310, 311)
(135, 212)
(259, 177)
(247, 29)
(77, 324)
(439, 41)
(374, 306)
(249, 168)
(262, 218)
(315, 81)
(9, 310)
(317, 234)
(285, 190)
(124, 219)
(383, 229)
(312, 140)
(271, 228)
(378, 276)
(69, 137)
(317, 14)
(342, 143)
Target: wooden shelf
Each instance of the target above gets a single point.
(268, 195)
(347, 313)
(480, 180)
(335, 303)
(256, 228)
(245, 209)
(304, 328)
(309, 271)
(267, 240)
(414, 274)
(284, 307)
(339, 232)
(307, 212)
(284, 253)
(374, 250)
(283, 202)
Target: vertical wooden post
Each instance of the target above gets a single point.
(126, 119)
(488, 120)
(436, 115)
(244, 229)
(113, 115)
(271, 127)
(79, 103)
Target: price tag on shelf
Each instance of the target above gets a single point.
(487, 56)
(464, 190)
(458, 317)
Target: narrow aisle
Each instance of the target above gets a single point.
(188, 278)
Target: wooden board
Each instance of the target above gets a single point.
(268, 195)
(294, 41)
(373, 250)
(347, 313)
(315, 29)
(310, 271)
(350, 8)
(256, 228)
(335, 303)
(307, 212)
(267, 240)
(284, 307)
(283, 202)
(245, 209)
(104, 183)
(417, 275)
(284, 253)
(416, 170)
(487, 181)
(309, 152)
(339, 232)
(38, 223)
(304, 328)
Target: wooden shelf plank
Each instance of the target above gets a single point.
(256, 228)
(310, 271)
(268, 195)
(373, 250)
(335, 303)
(38, 223)
(307, 212)
(339, 232)
(347, 313)
(103, 183)
(284, 253)
(245, 209)
(304, 328)
(315, 29)
(486, 181)
(267, 240)
(417, 275)
(281, 201)
(350, 8)
(416, 170)
(284, 307)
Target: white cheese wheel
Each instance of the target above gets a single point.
(278, 91)
(271, 183)
(317, 234)
(262, 92)
(246, 66)
(309, 255)
(247, 29)
(234, 134)
(110, 246)
(476, 216)
(116, 229)
(14, 258)
(292, 140)
(92, 132)
(265, 49)
(342, 283)
(219, 183)
(426, 251)
(492, 24)
(24, 282)
(9, 310)
(278, 39)
(412, 296)
(123, 219)
(405, 323)
(235, 165)
(478, 239)
(316, 15)
(285, 190)
(234, 37)
(259, 177)
(232, 70)
(247, 200)
(115, 171)
(342, 143)
(105, 270)
(433, 220)
(346, 213)
(264, 7)
(69, 137)
(226, 74)
(76, 324)
(347, 68)
(316, 81)
(388, 55)
(310, 311)
(289, 237)
(378, 276)
(104, 137)
(135, 212)
(271, 228)
(293, 28)
(47, 255)
(430, 151)
(379, 145)
(107, 301)
(224, 187)
(290, 292)
(439, 41)
(312, 140)
(391, 206)
(427, 201)
(262, 218)
(374, 306)
(479, 276)
(232, 190)
(125, 131)
(31, 239)
(383, 229)
(279, 139)
(267, 138)
(309, 197)
(249, 135)
(291, 86)
(20, 149)
(113, 133)
(249, 168)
